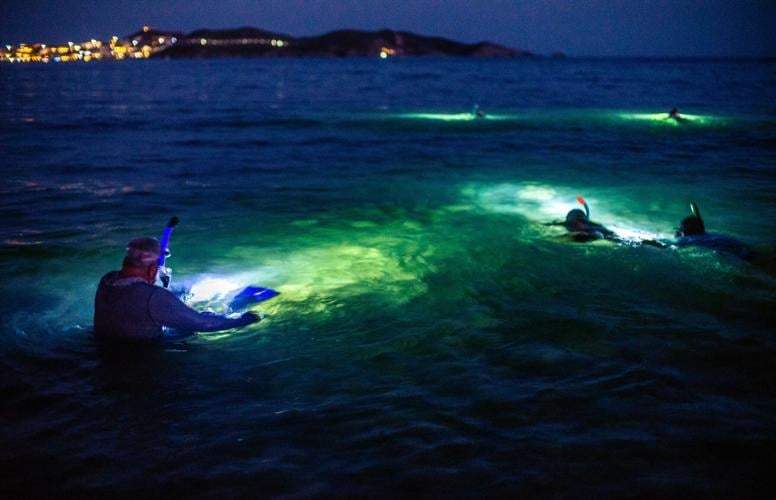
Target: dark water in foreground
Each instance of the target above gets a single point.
(432, 337)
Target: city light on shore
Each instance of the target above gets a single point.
(139, 46)
(146, 42)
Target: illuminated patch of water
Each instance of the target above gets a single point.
(665, 119)
(543, 203)
(318, 274)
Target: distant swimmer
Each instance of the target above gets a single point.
(692, 232)
(477, 112)
(581, 228)
(129, 306)
(674, 115)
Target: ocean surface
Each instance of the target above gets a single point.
(433, 336)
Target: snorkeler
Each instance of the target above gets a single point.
(477, 112)
(581, 228)
(674, 115)
(128, 305)
(692, 232)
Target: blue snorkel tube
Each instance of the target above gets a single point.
(165, 273)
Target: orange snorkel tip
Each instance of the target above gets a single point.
(581, 200)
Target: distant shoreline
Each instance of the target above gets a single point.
(149, 43)
(248, 42)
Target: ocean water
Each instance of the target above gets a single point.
(432, 336)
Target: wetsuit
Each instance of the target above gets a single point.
(582, 229)
(718, 242)
(131, 309)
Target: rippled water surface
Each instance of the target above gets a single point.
(432, 335)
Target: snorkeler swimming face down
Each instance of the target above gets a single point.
(576, 219)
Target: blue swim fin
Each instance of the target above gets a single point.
(251, 295)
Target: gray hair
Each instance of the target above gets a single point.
(142, 252)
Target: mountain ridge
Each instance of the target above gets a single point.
(249, 41)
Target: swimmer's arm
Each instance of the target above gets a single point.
(637, 242)
(654, 243)
(167, 310)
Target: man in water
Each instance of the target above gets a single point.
(674, 115)
(128, 306)
(477, 112)
(581, 228)
(692, 232)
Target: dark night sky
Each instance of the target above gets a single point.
(692, 28)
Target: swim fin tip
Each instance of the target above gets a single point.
(252, 295)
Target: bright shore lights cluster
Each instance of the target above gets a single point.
(142, 45)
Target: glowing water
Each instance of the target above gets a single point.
(665, 119)
(555, 118)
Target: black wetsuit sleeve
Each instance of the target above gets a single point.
(168, 310)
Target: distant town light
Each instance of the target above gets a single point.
(174, 40)
(8, 47)
(203, 41)
(134, 43)
(274, 43)
(387, 51)
(43, 46)
(161, 39)
(280, 43)
(145, 29)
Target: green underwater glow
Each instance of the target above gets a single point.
(361, 260)
(467, 117)
(665, 119)
(567, 117)
(443, 117)
(542, 203)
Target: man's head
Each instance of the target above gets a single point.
(142, 259)
(575, 219)
(691, 226)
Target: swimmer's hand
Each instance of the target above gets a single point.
(249, 318)
(654, 243)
